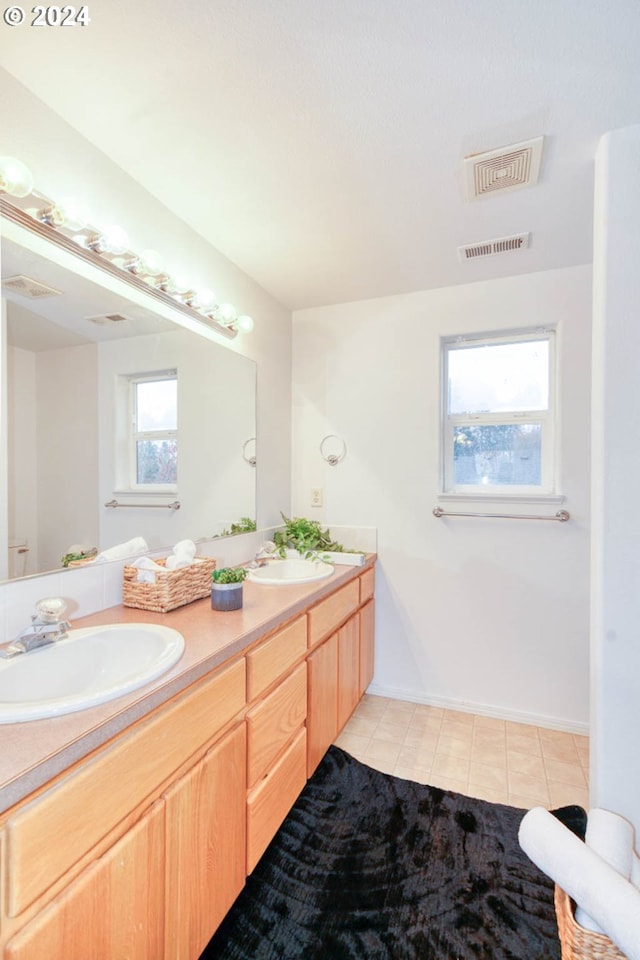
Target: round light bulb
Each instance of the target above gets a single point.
(245, 323)
(71, 214)
(181, 283)
(227, 312)
(204, 299)
(114, 239)
(150, 263)
(15, 177)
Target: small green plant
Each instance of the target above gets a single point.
(244, 525)
(229, 575)
(305, 536)
(71, 557)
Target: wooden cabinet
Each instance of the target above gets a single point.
(205, 846)
(322, 721)
(114, 909)
(137, 852)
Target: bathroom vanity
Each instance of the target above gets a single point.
(132, 830)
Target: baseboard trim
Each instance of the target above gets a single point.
(484, 710)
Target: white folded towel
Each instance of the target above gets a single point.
(611, 900)
(635, 869)
(185, 548)
(130, 548)
(611, 837)
(146, 569)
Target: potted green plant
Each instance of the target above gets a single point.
(305, 536)
(226, 588)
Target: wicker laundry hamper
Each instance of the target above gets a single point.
(578, 943)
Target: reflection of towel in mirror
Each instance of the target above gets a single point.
(146, 569)
(121, 551)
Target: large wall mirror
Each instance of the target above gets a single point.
(75, 352)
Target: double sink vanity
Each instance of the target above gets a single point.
(128, 828)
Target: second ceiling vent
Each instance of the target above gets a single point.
(507, 168)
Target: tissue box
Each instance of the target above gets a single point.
(173, 588)
(576, 942)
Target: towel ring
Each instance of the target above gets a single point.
(250, 459)
(333, 458)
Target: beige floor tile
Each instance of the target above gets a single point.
(412, 773)
(453, 746)
(453, 728)
(427, 737)
(563, 750)
(391, 732)
(525, 763)
(382, 750)
(493, 754)
(458, 716)
(522, 744)
(353, 744)
(445, 765)
(378, 763)
(525, 786)
(426, 710)
(415, 756)
(402, 707)
(521, 730)
(482, 775)
(526, 803)
(565, 772)
(487, 793)
(564, 794)
(361, 726)
(426, 722)
(372, 706)
(490, 723)
(490, 735)
(448, 783)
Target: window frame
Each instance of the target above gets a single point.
(546, 418)
(134, 436)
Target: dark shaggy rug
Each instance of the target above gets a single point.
(370, 867)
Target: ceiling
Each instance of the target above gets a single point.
(319, 145)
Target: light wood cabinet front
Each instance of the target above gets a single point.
(322, 707)
(348, 669)
(367, 631)
(273, 722)
(114, 910)
(205, 846)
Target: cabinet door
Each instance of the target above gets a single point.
(322, 710)
(114, 909)
(367, 630)
(348, 669)
(205, 846)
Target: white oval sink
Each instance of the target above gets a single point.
(291, 571)
(92, 665)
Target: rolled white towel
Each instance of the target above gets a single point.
(146, 569)
(174, 562)
(185, 548)
(130, 548)
(606, 896)
(635, 869)
(611, 837)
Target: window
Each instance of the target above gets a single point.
(153, 437)
(498, 415)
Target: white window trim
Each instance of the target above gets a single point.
(547, 492)
(125, 481)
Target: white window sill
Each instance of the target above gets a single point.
(512, 498)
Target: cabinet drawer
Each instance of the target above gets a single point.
(327, 615)
(367, 585)
(272, 658)
(272, 723)
(270, 802)
(48, 835)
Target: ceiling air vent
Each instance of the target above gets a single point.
(102, 320)
(27, 287)
(507, 168)
(474, 251)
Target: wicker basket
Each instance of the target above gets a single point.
(173, 588)
(577, 942)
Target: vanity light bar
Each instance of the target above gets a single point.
(88, 244)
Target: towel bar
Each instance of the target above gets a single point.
(562, 515)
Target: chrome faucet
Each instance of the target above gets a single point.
(45, 628)
(264, 554)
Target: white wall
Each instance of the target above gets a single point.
(615, 640)
(22, 456)
(489, 615)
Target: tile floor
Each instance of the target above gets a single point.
(491, 759)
